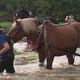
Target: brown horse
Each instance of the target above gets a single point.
(54, 41)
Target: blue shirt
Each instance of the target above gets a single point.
(3, 39)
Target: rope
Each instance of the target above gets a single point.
(36, 45)
(45, 39)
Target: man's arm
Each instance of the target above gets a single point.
(5, 48)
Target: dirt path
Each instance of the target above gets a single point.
(28, 73)
(31, 71)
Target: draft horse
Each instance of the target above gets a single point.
(50, 40)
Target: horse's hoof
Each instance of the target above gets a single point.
(49, 68)
(70, 66)
(41, 65)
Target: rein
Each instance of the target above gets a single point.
(36, 45)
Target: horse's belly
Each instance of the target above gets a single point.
(63, 40)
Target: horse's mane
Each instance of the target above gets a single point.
(50, 23)
(28, 24)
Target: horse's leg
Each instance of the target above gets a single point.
(42, 56)
(41, 59)
(70, 58)
(49, 62)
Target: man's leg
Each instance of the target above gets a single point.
(10, 65)
(2, 65)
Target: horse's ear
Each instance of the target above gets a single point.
(46, 22)
(14, 19)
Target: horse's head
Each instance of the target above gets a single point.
(22, 27)
(16, 32)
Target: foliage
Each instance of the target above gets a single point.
(41, 8)
(5, 25)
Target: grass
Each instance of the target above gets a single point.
(6, 25)
(17, 53)
(29, 59)
(32, 58)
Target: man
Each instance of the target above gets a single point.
(70, 19)
(6, 53)
(20, 14)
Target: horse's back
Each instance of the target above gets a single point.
(62, 37)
